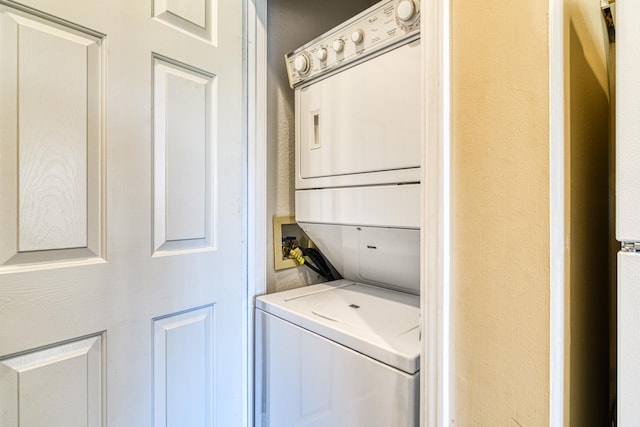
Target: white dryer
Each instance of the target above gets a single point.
(346, 353)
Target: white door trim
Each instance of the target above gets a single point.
(255, 46)
(556, 213)
(436, 368)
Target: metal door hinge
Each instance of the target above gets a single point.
(630, 247)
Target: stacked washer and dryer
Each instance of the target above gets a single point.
(346, 353)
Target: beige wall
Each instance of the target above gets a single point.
(500, 247)
(587, 219)
(291, 23)
(500, 207)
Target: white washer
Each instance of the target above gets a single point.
(346, 353)
(338, 354)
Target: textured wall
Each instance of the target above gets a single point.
(500, 206)
(291, 23)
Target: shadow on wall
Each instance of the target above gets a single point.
(588, 187)
(291, 23)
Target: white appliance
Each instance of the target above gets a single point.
(338, 354)
(346, 353)
(628, 209)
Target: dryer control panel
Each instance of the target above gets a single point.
(379, 28)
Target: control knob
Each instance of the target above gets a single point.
(357, 36)
(406, 10)
(302, 63)
(338, 45)
(321, 54)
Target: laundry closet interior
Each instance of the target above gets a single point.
(352, 181)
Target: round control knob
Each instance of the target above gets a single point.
(357, 36)
(301, 64)
(321, 54)
(338, 45)
(406, 10)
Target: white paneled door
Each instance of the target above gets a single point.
(121, 204)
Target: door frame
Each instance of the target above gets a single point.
(435, 278)
(255, 163)
(435, 269)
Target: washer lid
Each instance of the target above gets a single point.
(380, 323)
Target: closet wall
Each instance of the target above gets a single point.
(291, 23)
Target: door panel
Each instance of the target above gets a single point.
(53, 146)
(121, 212)
(195, 17)
(184, 118)
(61, 384)
(49, 153)
(182, 359)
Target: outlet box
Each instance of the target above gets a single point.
(285, 226)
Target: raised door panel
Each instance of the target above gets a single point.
(183, 369)
(50, 127)
(190, 10)
(194, 17)
(60, 384)
(183, 156)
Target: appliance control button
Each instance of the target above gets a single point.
(357, 36)
(321, 54)
(406, 10)
(301, 63)
(338, 45)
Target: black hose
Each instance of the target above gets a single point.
(314, 269)
(321, 266)
(318, 259)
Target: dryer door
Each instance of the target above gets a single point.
(362, 121)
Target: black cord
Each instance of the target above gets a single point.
(319, 260)
(321, 266)
(314, 269)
